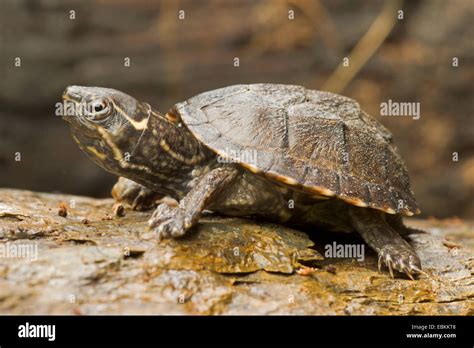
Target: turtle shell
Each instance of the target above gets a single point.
(318, 142)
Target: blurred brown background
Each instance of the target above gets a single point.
(172, 59)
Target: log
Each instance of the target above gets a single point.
(64, 254)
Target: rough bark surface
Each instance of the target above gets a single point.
(94, 262)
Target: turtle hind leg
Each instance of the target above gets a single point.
(396, 221)
(391, 248)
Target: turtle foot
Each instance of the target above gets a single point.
(168, 222)
(135, 195)
(403, 260)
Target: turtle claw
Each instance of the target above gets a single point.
(388, 262)
(168, 222)
(137, 202)
(409, 274)
(400, 259)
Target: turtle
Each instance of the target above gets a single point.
(274, 152)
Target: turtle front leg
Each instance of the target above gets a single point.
(174, 222)
(137, 196)
(391, 248)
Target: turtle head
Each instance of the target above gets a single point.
(107, 124)
(132, 140)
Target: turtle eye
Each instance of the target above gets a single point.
(99, 110)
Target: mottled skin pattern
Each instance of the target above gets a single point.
(160, 156)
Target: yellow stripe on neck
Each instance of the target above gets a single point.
(138, 125)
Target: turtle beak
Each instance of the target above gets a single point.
(69, 97)
(73, 97)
